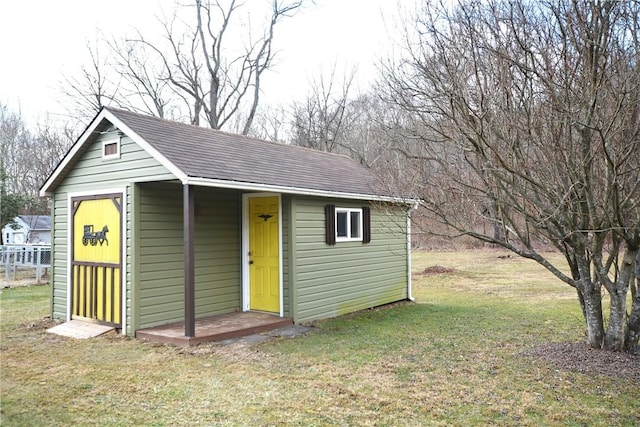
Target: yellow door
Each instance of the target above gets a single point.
(264, 254)
(96, 261)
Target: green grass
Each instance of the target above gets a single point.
(451, 358)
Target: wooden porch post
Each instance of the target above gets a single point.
(188, 205)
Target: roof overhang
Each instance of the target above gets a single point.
(249, 186)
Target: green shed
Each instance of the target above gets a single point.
(159, 224)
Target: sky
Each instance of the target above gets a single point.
(44, 40)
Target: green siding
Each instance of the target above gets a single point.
(217, 252)
(350, 276)
(59, 261)
(92, 173)
(161, 253)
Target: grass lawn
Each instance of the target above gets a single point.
(454, 357)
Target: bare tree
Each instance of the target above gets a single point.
(93, 88)
(39, 158)
(204, 67)
(15, 139)
(321, 121)
(369, 139)
(141, 69)
(360, 125)
(527, 115)
(271, 124)
(27, 157)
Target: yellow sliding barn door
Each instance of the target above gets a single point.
(97, 258)
(264, 254)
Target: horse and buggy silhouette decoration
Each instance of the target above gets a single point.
(94, 237)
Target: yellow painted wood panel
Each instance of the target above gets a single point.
(96, 231)
(96, 263)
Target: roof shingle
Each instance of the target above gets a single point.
(212, 154)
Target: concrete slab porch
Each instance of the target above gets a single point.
(215, 328)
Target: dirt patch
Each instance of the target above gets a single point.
(436, 269)
(39, 325)
(578, 357)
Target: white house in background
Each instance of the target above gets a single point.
(28, 229)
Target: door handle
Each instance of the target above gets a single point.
(250, 261)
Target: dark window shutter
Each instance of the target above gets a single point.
(330, 224)
(366, 224)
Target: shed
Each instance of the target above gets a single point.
(160, 223)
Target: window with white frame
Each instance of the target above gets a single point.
(348, 224)
(111, 149)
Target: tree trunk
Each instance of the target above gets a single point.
(591, 300)
(615, 336)
(592, 297)
(633, 324)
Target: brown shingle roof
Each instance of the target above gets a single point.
(211, 154)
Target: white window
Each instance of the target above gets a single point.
(348, 224)
(111, 149)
